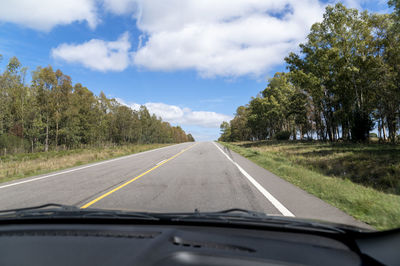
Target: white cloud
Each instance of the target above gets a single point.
(224, 37)
(182, 116)
(215, 38)
(206, 119)
(120, 6)
(97, 54)
(170, 113)
(45, 14)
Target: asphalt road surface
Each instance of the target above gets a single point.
(178, 178)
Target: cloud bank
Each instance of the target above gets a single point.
(222, 38)
(226, 38)
(182, 116)
(44, 15)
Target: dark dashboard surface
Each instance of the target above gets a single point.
(101, 244)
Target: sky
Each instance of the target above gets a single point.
(191, 62)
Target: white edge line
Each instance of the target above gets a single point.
(260, 188)
(83, 167)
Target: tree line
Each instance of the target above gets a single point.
(52, 113)
(343, 83)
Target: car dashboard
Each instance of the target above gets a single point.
(122, 244)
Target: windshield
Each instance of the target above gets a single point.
(286, 108)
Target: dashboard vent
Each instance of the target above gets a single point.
(195, 244)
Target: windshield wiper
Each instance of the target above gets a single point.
(44, 206)
(54, 210)
(237, 216)
(234, 216)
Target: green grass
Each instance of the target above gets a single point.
(329, 171)
(27, 164)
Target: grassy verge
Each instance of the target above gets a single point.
(28, 164)
(370, 205)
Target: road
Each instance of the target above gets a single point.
(178, 178)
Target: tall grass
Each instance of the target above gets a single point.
(28, 164)
(373, 165)
(314, 167)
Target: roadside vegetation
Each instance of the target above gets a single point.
(340, 97)
(51, 124)
(342, 85)
(362, 180)
(27, 164)
(52, 113)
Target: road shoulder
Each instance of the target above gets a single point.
(301, 203)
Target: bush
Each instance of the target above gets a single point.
(373, 135)
(12, 144)
(283, 135)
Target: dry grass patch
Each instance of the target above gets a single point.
(28, 164)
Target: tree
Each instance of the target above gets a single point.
(52, 112)
(225, 132)
(387, 80)
(269, 113)
(239, 128)
(44, 81)
(336, 70)
(190, 138)
(299, 111)
(396, 5)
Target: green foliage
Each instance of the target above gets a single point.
(343, 83)
(396, 5)
(52, 113)
(225, 132)
(11, 144)
(238, 125)
(190, 138)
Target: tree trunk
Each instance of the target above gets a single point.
(337, 133)
(46, 145)
(329, 132)
(56, 134)
(379, 130)
(384, 131)
(301, 133)
(392, 128)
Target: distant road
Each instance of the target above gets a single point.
(178, 178)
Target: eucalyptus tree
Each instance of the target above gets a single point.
(387, 82)
(225, 130)
(44, 81)
(239, 125)
(334, 69)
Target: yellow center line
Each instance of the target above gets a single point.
(133, 179)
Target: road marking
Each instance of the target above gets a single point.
(260, 188)
(161, 162)
(80, 168)
(135, 178)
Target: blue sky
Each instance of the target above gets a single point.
(190, 62)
